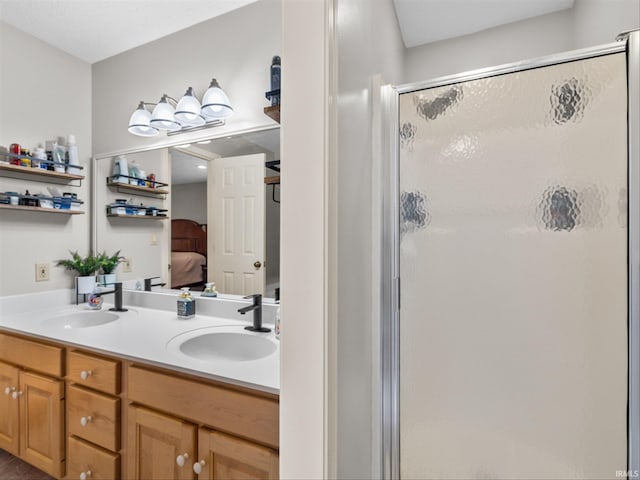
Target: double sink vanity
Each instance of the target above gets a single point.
(139, 394)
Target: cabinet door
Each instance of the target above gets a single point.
(154, 443)
(41, 425)
(8, 409)
(232, 458)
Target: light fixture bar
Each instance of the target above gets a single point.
(213, 123)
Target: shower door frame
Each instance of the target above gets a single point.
(628, 42)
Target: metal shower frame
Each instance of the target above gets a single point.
(628, 42)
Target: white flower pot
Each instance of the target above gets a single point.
(85, 285)
(107, 279)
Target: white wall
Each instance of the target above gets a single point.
(44, 93)
(588, 23)
(189, 200)
(303, 210)
(236, 48)
(374, 24)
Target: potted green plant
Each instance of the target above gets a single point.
(86, 268)
(108, 264)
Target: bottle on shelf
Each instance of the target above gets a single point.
(275, 79)
(74, 161)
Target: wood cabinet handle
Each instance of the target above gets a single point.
(85, 475)
(197, 467)
(84, 374)
(85, 420)
(180, 459)
(15, 395)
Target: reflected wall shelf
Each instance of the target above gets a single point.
(40, 209)
(139, 189)
(138, 217)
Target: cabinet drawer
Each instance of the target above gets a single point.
(243, 414)
(84, 457)
(99, 413)
(94, 372)
(32, 355)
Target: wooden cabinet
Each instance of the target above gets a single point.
(127, 420)
(93, 415)
(237, 431)
(41, 422)
(9, 410)
(225, 456)
(154, 444)
(31, 418)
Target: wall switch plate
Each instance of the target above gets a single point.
(154, 239)
(126, 265)
(42, 272)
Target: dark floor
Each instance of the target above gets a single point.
(12, 468)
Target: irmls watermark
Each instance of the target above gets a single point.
(627, 474)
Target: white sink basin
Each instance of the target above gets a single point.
(232, 344)
(84, 319)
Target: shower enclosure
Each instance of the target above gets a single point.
(510, 332)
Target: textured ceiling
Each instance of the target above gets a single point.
(426, 21)
(93, 30)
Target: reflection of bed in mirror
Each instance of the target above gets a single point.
(188, 253)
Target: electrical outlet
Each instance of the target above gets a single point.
(126, 265)
(42, 272)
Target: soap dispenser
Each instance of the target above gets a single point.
(186, 304)
(210, 290)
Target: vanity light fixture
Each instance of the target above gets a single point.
(188, 114)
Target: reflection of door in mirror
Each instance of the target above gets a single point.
(236, 219)
(196, 216)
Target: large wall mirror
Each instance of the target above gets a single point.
(210, 213)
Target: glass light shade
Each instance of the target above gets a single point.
(188, 110)
(139, 123)
(163, 116)
(215, 103)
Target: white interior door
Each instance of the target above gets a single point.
(236, 242)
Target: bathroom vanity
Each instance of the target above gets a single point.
(83, 397)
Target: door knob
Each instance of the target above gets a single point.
(180, 459)
(85, 420)
(8, 390)
(85, 475)
(257, 264)
(15, 395)
(85, 374)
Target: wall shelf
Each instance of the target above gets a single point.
(40, 209)
(273, 112)
(40, 174)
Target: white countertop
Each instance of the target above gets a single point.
(142, 333)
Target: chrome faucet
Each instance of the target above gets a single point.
(256, 307)
(117, 296)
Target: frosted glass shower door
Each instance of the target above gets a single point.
(513, 269)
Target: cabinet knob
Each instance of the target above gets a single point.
(8, 390)
(85, 420)
(180, 459)
(15, 395)
(197, 467)
(85, 475)
(84, 374)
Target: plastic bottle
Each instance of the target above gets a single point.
(74, 161)
(58, 158)
(120, 169)
(134, 173)
(186, 304)
(277, 323)
(275, 79)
